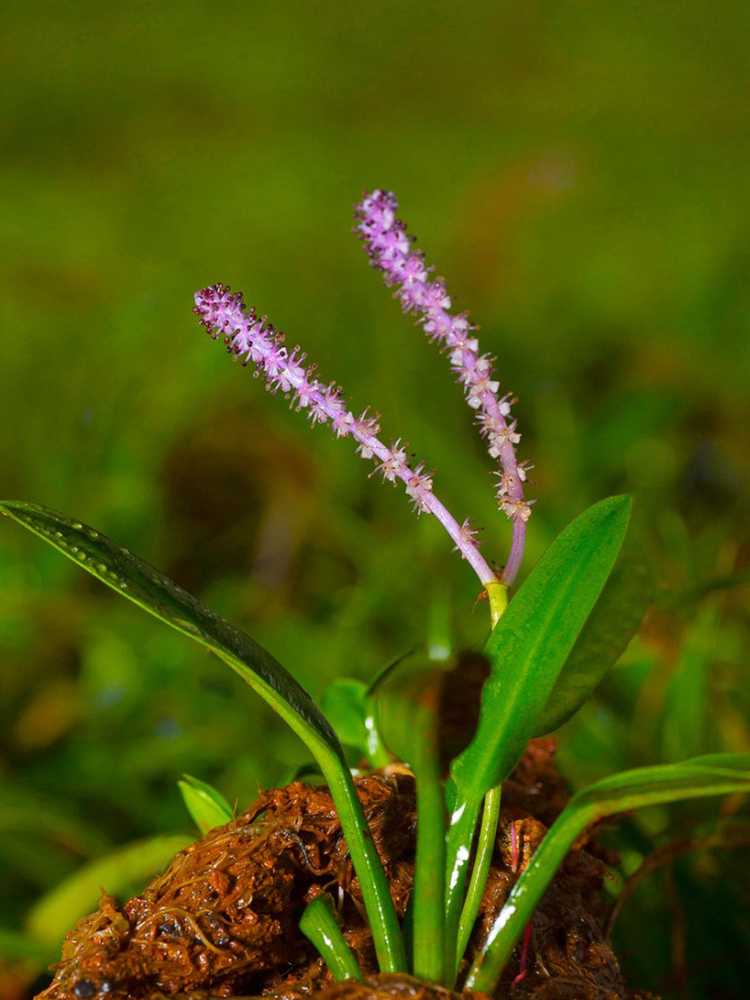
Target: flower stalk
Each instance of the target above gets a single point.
(253, 339)
(391, 251)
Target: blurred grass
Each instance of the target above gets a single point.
(579, 175)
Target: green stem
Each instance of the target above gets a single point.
(478, 881)
(523, 899)
(463, 821)
(318, 924)
(376, 894)
(428, 949)
(647, 786)
(497, 595)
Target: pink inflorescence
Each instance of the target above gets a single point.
(253, 339)
(391, 250)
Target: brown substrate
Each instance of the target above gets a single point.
(385, 987)
(223, 918)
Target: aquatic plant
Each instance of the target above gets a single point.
(547, 650)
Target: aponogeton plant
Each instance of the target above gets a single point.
(548, 648)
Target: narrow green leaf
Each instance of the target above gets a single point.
(149, 589)
(15, 947)
(527, 650)
(319, 926)
(21, 809)
(117, 873)
(207, 806)
(614, 621)
(439, 630)
(482, 861)
(686, 718)
(308, 774)
(734, 761)
(717, 774)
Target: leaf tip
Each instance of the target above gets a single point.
(619, 502)
(617, 509)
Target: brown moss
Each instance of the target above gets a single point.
(384, 987)
(223, 918)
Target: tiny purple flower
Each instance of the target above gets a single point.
(252, 339)
(391, 251)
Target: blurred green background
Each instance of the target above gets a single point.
(578, 172)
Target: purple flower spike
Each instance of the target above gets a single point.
(254, 339)
(391, 251)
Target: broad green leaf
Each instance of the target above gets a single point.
(533, 640)
(124, 870)
(614, 621)
(397, 702)
(350, 707)
(206, 805)
(145, 586)
(527, 650)
(344, 705)
(717, 774)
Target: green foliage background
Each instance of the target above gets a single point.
(578, 172)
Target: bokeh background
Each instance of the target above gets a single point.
(578, 172)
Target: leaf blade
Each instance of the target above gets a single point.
(618, 793)
(155, 593)
(613, 622)
(532, 641)
(527, 651)
(343, 704)
(320, 927)
(207, 806)
(54, 914)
